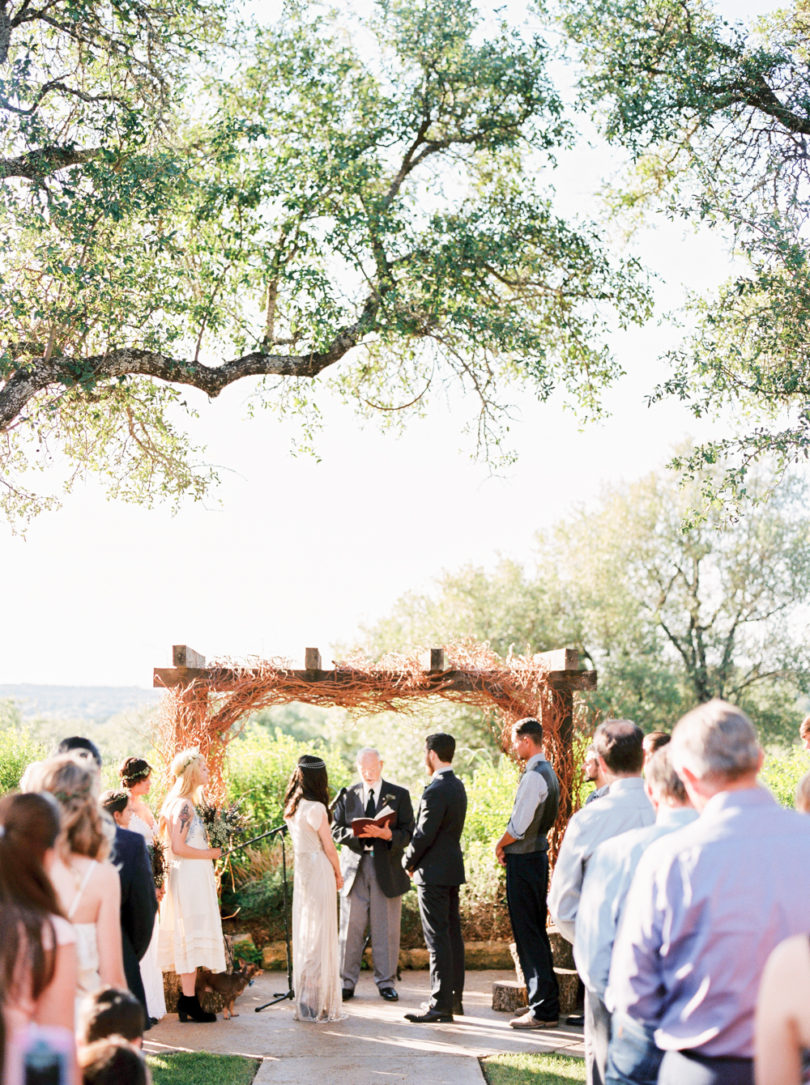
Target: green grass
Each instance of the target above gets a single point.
(518, 1069)
(185, 1067)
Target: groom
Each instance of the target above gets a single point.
(435, 862)
(373, 878)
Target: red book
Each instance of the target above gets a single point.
(383, 819)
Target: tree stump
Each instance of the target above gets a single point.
(508, 996)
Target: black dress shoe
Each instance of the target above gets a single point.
(389, 994)
(348, 992)
(429, 1017)
(575, 1019)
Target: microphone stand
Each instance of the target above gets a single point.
(280, 830)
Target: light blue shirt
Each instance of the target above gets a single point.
(625, 807)
(604, 893)
(532, 790)
(706, 907)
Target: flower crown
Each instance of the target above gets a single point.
(191, 756)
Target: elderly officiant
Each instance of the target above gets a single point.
(373, 878)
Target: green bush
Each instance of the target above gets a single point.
(490, 796)
(18, 748)
(782, 771)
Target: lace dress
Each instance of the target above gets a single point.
(151, 976)
(316, 979)
(190, 927)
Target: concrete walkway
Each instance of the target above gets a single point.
(374, 1045)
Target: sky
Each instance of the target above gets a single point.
(294, 552)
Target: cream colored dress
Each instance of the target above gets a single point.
(316, 978)
(190, 927)
(151, 976)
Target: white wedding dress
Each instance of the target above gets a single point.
(316, 979)
(190, 927)
(151, 976)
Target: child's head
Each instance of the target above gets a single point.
(110, 1011)
(113, 1061)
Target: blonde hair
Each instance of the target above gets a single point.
(83, 830)
(187, 769)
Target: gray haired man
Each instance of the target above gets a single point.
(373, 878)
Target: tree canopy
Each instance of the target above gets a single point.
(188, 202)
(717, 117)
(669, 615)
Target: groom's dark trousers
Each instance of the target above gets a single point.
(434, 855)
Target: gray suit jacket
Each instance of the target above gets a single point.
(391, 878)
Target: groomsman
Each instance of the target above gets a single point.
(434, 860)
(373, 878)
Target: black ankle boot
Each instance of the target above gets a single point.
(189, 1009)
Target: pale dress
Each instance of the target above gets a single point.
(88, 978)
(190, 927)
(151, 976)
(316, 978)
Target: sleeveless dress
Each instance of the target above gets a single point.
(88, 978)
(151, 976)
(316, 979)
(190, 927)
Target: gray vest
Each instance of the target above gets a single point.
(545, 815)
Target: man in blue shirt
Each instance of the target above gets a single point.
(709, 903)
(523, 850)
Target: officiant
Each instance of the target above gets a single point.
(373, 878)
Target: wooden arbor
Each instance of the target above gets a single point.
(207, 702)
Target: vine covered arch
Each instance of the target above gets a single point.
(207, 703)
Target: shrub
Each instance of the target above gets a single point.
(18, 748)
(782, 771)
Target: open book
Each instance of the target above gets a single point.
(383, 818)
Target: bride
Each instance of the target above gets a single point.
(316, 979)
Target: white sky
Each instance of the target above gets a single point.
(296, 552)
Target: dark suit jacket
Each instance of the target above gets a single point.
(391, 878)
(434, 853)
(138, 903)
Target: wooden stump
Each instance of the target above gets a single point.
(508, 996)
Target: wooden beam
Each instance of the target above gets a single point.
(561, 659)
(312, 659)
(183, 656)
(458, 681)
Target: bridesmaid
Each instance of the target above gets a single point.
(136, 778)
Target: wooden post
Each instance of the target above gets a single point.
(312, 659)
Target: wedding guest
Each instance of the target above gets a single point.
(190, 926)
(709, 903)
(136, 777)
(86, 883)
(113, 1061)
(373, 878)
(138, 900)
(37, 944)
(782, 1021)
(592, 774)
(625, 806)
(110, 1011)
(316, 976)
(434, 860)
(632, 1055)
(83, 748)
(652, 742)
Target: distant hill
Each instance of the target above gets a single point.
(97, 703)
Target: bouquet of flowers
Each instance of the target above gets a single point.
(222, 823)
(157, 857)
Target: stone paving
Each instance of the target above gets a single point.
(374, 1045)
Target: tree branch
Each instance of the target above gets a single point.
(45, 161)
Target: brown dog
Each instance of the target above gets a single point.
(229, 985)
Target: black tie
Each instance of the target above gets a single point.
(370, 804)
